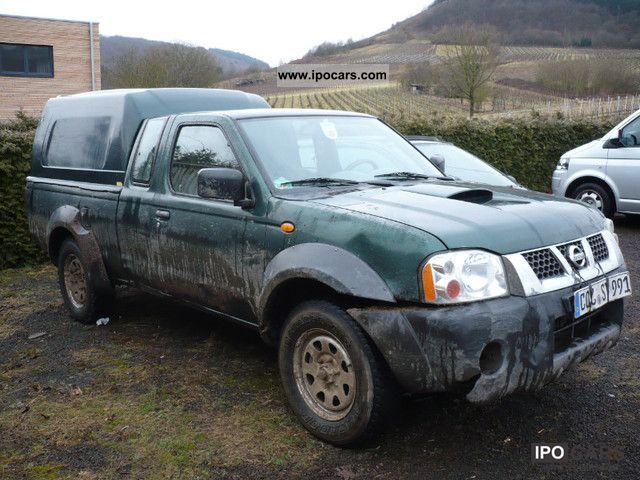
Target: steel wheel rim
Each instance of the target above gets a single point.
(74, 281)
(591, 198)
(324, 374)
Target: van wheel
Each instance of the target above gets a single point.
(596, 196)
(334, 379)
(84, 302)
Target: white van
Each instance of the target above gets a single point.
(606, 172)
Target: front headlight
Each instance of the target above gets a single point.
(563, 164)
(463, 276)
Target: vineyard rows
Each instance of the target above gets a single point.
(420, 51)
(387, 102)
(394, 103)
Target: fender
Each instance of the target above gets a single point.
(70, 218)
(335, 267)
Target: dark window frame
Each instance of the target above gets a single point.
(134, 153)
(176, 134)
(25, 72)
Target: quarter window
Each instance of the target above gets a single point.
(26, 60)
(79, 142)
(145, 154)
(198, 147)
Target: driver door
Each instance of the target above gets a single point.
(623, 167)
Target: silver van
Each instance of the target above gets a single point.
(606, 172)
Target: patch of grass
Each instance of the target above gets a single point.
(48, 471)
(589, 372)
(11, 275)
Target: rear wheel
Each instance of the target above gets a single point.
(84, 302)
(596, 196)
(334, 379)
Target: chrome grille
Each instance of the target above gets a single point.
(564, 250)
(598, 247)
(544, 264)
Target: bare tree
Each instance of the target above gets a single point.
(167, 65)
(470, 64)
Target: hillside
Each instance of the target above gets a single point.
(559, 23)
(232, 63)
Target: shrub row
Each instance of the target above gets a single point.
(16, 245)
(526, 149)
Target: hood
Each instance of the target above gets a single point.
(587, 150)
(502, 220)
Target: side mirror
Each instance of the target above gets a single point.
(613, 142)
(438, 161)
(224, 184)
(513, 179)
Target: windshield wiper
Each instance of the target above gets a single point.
(410, 176)
(404, 175)
(320, 181)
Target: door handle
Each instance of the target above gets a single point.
(163, 214)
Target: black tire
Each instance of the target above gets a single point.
(84, 302)
(593, 193)
(373, 393)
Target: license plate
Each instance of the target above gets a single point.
(600, 293)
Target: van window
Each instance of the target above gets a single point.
(197, 147)
(145, 154)
(631, 134)
(78, 143)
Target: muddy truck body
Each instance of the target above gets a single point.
(332, 237)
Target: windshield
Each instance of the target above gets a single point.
(461, 164)
(311, 150)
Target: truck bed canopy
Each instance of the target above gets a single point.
(89, 136)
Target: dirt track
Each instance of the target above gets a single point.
(163, 391)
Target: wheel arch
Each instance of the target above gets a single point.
(65, 223)
(599, 180)
(315, 271)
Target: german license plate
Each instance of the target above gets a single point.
(600, 293)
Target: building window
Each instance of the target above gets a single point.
(26, 60)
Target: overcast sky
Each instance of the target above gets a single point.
(273, 31)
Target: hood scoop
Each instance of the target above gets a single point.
(479, 196)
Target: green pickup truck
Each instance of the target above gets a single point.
(333, 237)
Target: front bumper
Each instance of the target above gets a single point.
(433, 349)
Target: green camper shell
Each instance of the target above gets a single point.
(102, 127)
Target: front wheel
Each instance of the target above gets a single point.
(334, 379)
(596, 196)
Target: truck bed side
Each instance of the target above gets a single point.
(84, 211)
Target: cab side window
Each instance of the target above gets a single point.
(631, 134)
(145, 153)
(198, 147)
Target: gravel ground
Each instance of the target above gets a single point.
(164, 392)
